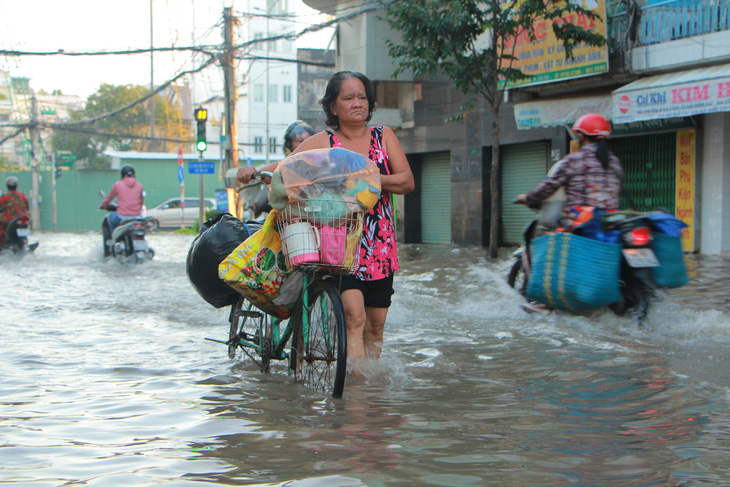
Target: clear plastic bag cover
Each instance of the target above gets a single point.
(331, 174)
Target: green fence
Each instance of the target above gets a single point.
(77, 197)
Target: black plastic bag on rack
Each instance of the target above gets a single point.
(217, 239)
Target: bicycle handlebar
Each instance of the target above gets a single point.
(256, 179)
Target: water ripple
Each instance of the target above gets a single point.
(107, 380)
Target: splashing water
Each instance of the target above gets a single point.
(107, 380)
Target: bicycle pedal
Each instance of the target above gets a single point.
(249, 314)
(217, 341)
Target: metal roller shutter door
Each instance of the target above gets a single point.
(649, 163)
(524, 166)
(436, 198)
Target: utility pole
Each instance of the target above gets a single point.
(268, 87)
(230, 149)
(152, 84)
(229, 77)
(35, 176)
(54, 175)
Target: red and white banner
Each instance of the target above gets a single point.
(650, 100)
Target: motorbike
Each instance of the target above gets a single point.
(16, 236)
(127, 242)
(637, 285)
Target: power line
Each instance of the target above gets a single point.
(140, 100)
(115, 136)
(214, 52)
(62, 52)
(286, 60)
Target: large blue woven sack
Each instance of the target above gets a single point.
(671, 272)
(574, 273)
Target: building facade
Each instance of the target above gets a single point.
(664, 88)
(19, 105)
(314, 69)
(268, 80)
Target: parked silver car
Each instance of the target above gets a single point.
(169, 213)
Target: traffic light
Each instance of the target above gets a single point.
(201, 117)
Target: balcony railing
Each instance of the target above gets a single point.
(667, 21)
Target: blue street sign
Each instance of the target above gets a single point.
(201, 168)
(180, 174)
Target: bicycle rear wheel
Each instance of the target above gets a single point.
(319, 358)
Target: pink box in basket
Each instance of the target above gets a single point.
(333, 243)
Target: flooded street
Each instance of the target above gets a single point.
(107, 380)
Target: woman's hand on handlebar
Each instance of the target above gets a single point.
(521, 199)
(245, 173)
(256, 178)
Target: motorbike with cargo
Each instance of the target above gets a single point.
(637, 235)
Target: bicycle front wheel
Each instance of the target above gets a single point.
(247, 331)
(319, 344)
(517, 277)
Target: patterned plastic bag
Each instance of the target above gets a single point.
(257, 269)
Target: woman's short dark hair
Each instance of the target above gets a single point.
(333, 91)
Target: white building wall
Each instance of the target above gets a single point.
(683, 53)
(362, 47)
(715, 191)
(263, 111)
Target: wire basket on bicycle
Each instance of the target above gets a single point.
(322, 195)
(319, 198)
(321, 233)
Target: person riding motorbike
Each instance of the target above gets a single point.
(13, 204)
(130, 200)
(590, 177)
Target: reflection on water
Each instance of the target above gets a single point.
(107, 380)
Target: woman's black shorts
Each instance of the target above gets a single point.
(376, 293)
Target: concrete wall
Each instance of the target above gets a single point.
(469, 142)
(361, 47)
(715, 187)
(683, 53)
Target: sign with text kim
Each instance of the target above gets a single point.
(544, 58)
(685, 185)
(672, 100)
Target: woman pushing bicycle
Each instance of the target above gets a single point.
(348, 104)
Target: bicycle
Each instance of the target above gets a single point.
(316, 328)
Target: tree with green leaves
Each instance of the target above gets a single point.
(472, 43)
(126, 129)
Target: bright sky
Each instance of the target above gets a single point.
(99, 25)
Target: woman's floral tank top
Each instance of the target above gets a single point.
(378, 250)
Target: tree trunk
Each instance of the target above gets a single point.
(494, 186)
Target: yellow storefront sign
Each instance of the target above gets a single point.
(544, 58)
(685, 185)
